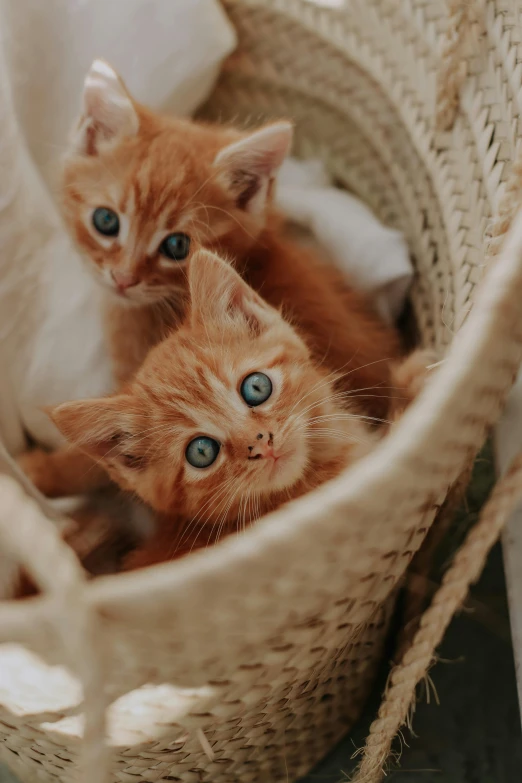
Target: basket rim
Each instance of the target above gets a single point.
(467, 358)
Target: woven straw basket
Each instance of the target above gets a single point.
(248, 661)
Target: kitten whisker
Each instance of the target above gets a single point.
(339, 434)
(337, 375)
(221, 492)
(234, 218)
(330, 377)
(357, 416)
(223, 517)
(257, 508)
(241, 511)
(213, 174)
(347, 395)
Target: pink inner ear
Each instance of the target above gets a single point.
(101, 448)
(248, 186)
(90, 140)
(105, 120)
(94, 113)
(108, 110)
(253, 161)
(95, 426)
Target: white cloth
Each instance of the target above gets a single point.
(374, 257)
(168, 51)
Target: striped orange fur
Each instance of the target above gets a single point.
(190, 387)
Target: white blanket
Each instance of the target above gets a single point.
(169, 51)
(375, 258)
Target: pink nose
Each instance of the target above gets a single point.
(123, 280)
(263, 448)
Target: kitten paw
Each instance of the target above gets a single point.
(411, 374)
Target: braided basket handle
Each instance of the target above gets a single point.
(464, 571)
(30, 540)
(454, 67)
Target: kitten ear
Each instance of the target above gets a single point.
(96, 426)
(251, 164)
(219, 294)
(108, 113)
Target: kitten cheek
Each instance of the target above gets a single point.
(99, 272)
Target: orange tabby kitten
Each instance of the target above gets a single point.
(228, 418)
(142, 192)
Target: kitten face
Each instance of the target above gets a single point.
(207, 443)
(218, 422)
(142, 193)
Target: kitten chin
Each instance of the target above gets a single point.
(139, 297)
(118, 299)
(286, 470)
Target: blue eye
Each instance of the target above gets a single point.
(106, 221)
(175, 246)
(256, 389)
(202, 452)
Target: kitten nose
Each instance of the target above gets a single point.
(123, 280)
(264, 446)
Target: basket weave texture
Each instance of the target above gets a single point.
(245, 663)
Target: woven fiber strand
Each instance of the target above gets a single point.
(246, 662)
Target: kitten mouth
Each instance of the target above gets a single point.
(286, 467)
(274, 459)
(277, 465)
(124, 296)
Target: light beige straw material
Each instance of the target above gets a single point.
(65, 626)
(246, 662)
(454, 65)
